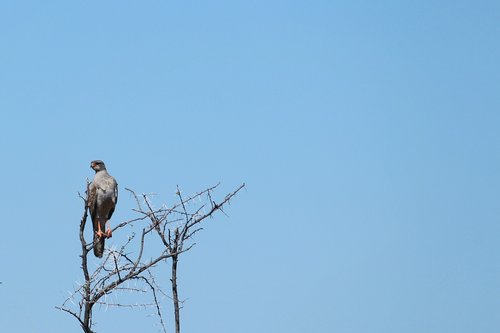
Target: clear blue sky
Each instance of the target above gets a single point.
(367, 132)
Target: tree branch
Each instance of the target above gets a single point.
(175, 226)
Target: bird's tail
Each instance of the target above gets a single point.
(99, 245)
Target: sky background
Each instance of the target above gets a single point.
(367, 133)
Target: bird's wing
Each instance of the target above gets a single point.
(110, 187)
(116, 192)
(92, 203)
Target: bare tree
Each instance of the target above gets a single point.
(174, 226)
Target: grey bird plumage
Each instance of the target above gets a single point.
(103, 196)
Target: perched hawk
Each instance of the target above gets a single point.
(103, 196)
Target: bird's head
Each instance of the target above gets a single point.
(97, 165)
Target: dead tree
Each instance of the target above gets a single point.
(174, 226)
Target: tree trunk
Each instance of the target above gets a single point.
(175, 294)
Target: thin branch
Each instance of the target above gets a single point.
(74, 315)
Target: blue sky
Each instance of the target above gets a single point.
(367, 134)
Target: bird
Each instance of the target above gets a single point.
(102, 199)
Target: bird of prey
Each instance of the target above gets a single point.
(102, 199)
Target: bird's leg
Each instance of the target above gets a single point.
(108, 230)
(99, 232)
